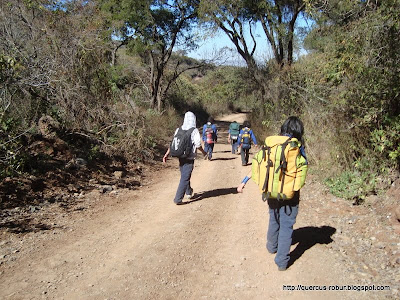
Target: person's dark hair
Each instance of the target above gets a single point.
(210, 119)
(246, 124)
(293, 127)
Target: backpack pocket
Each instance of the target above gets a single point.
(301, 172)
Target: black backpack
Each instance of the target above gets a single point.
(181, 145)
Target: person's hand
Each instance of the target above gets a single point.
(240, 187)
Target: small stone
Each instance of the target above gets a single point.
(381, 245)
(118, 174)
(80, 162)
(106, 188)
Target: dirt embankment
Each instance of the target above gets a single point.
(136, 244)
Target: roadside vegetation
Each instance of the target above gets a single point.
(103, 80)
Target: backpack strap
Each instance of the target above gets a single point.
(283, 167)
(269, 164)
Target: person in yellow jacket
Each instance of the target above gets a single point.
(282, 214)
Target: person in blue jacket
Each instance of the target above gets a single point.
(246, 136)
(210, 136)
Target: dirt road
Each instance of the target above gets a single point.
(139, 245)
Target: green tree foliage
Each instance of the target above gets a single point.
(53, 61)
(227, 89)
(152, 30)
(237, 20)
(350, 80)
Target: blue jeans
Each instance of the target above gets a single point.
(234, 146)
(209, 148)
(282, 217)
(186, 168)
(244, 153)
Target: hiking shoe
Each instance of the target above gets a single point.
(282, 268)
(189, 196)
(179, 202)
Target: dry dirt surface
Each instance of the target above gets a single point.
(137, 244)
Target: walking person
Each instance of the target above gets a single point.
(246, 136)
(188, 137)
(283, 212)
(210, 137)
(233, 134)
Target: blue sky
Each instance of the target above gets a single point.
(208, 47)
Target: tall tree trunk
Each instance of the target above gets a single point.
(297, 9)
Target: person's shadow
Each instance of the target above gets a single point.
(224, 158)
(307, 237)
(212, 193)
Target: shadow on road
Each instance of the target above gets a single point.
(224, 158)
(307, 237)
(211, 194)
(24, 226)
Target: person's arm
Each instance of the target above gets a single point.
(202, 150)
(243, 183)
(253, 137)
(166, 155)
(203, 136)
(216, 132)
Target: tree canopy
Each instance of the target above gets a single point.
(152, 30)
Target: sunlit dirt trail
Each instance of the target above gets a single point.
(139, 245)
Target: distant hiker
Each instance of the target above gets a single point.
(186, 140)
(246, 136)
(280, 169)
(210, 137)
(233, 134)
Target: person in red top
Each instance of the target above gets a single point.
(210, 137)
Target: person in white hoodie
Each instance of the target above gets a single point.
(186, 165)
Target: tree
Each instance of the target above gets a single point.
(233, 18)
(152, 30)
(278, 19)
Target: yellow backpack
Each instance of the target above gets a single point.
(279, 169)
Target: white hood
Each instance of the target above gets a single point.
(189, 121)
